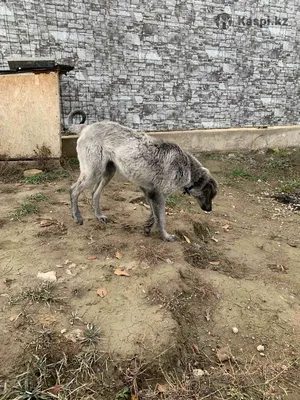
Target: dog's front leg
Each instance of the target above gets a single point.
(158, 204)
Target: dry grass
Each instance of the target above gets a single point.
(204, 256)
(230, 381)
(66, 371)
(42, 154)
(199, 255)
(202, 230)
(10, 172)
(153, 255)
(44, 293)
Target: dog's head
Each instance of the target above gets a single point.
(204, 190)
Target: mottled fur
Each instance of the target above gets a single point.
(159, 168)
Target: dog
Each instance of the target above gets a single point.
(157, 167)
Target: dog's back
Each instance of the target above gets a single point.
(108, 132)
(138, 156)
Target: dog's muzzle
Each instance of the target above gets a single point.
(206, 208)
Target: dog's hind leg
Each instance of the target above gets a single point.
(158, 203)
(149, 224)
(150, 221)
(83, 182)
(106, 177)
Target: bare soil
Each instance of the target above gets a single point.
(237, 267)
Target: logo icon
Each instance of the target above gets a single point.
(223, 21)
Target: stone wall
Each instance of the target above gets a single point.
(166, 64)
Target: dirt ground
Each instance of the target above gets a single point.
(214, 315)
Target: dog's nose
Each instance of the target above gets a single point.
(206, 208)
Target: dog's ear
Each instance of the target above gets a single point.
(200, 183)
(210, 188)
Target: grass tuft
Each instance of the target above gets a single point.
(25, 209)
(240, 172)
(91, 334)
(289, 186)
(44, 293)
(38, 197)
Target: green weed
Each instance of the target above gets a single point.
(47, 176)
(173, 200)
(25, 209)
(124, 394)
(240, 172)
(38, 197)
(290, 186)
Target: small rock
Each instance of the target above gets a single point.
(32, 172)
(224, 354)
(235, 329)
(63, 331)
(46, 222)
(69, 272)
(75, 336)
(262, 354)
(198, 373)
(260, 348)
(47, 276)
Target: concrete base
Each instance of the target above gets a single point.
(216, 140)
(29, 164)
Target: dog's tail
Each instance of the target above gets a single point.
(75, 128)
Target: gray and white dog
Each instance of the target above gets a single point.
(159, 168)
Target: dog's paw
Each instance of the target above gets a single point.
(147, 231)
(102, 218)
(170, 238)
(79, 220)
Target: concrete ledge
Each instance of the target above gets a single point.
(216, 140)
(29, 164)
